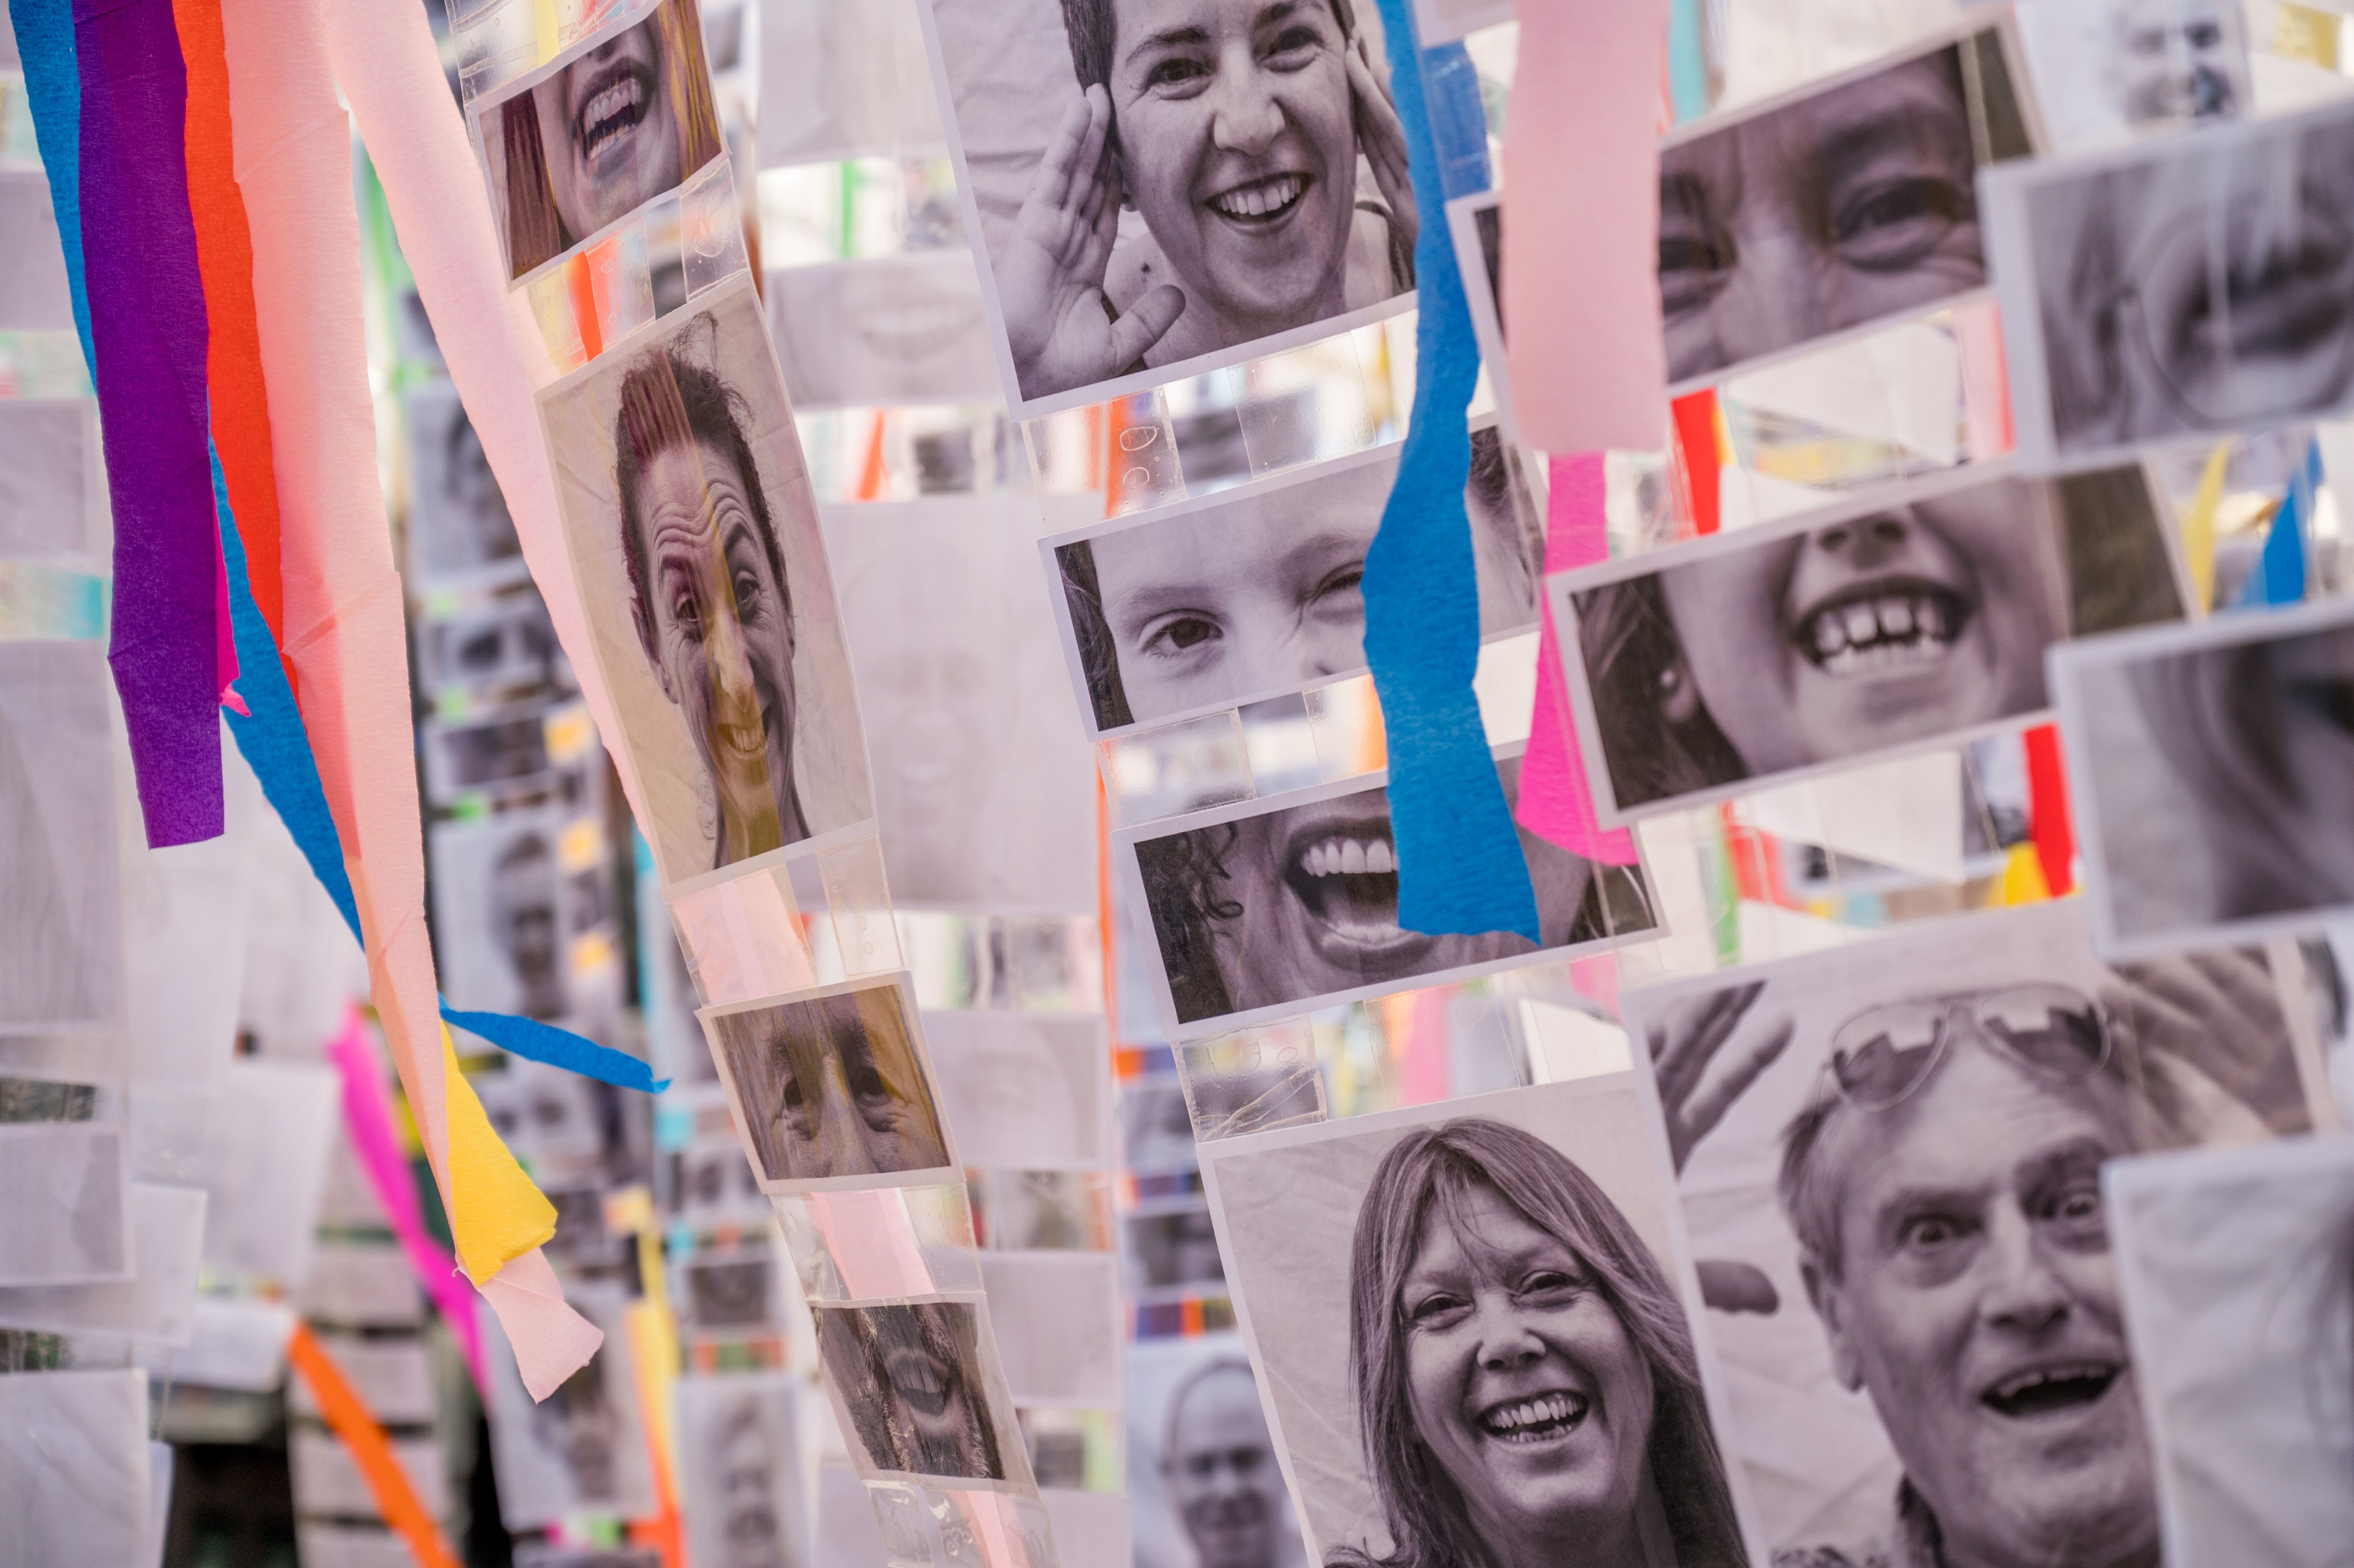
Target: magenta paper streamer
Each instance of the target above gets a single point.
(1556, 804)
(147, 326)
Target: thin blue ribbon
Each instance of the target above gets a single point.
(45, 44)
(1460, 866)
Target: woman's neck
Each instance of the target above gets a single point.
(1589, 1541)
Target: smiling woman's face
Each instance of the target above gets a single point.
(1900, 624)
(610, 131)
(1524, 1385)
(1237, 136)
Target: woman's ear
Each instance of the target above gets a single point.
(1678, 693)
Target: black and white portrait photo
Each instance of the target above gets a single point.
(2180, 285)
(2239, 1274)
(730, 1293)
(559, 1121)
(1256, 592)
(1893, 624)
(2108, 68)
(1170, 1247)
(491, 647)
(832, 1086)
(502, 750)
(1517, 1382)
(1258, 908)
(2212, 768)
(983, 790)
(1032, 1090)
(915, 1384)
(1203, 1486)
(749, 1500)
(1889, 1161)
(1844, 203)
(1171, 186)
(500, 912)
(575, 147)
(706, 1184)
(456, 522)
(687, 509)
(61, 893)
(888, 330)
(581, 1450)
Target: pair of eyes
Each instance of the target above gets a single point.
(2072, 1211)
(1187, 68)
(1242, 1462)
(686, 606)
(1548, 1289)
(1174, 633)
(870, 1094)
(1885, 224)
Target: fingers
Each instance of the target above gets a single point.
(1076, 143)
(1147, 321)
(2245, 979)
(1696, 1036)
(1707, 1109)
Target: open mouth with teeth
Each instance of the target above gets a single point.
(617, 103)
(1261, 203)
(1536, 1419)
(921, 1381)
(2052, 1389)
(1882, 627)
(1345, 875)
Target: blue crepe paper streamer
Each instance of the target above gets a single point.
(1687, 65)
(272, 736)
(2279, 576)
(45, 44)
(1461, 867)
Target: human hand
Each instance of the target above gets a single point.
(1381, 137)
(2219, 1014)
(1050, 281)
(1685, 1044)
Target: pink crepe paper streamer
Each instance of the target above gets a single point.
(367, 1115)
(873, 1245)
(1556, 801)
(1589, 369)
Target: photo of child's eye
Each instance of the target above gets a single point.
(1887, 627)
(572, 150)
(833, 1087)
(1852, 205)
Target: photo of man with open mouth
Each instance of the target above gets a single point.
(2188, 284)
(1168, 180)
(1299, 903)
(1853, 203)
(908, 1375)
(1892, 625)
(1899, 1146)
(625, 118)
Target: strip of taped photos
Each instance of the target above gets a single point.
(713, 622)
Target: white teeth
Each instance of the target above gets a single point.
(1895, 617)
(2010, 1388)
(1547, 1408)
(1829, 636)
(1378, 858)
(1257, 201)
(611, 104)
(1861, 625)
(1349, 857)
(1890, 632)
(1352, 858)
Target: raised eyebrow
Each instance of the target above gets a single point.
(1855, 145)
(1168, 38)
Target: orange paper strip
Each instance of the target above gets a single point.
(356, 1426)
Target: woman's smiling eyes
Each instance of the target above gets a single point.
(1189, 67)
(1174, 635)
(1892, 224)
(1545, 1286)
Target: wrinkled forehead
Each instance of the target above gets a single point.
(1219, 1412)
(1136, 20)
(1911, 108)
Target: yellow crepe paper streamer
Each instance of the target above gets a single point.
(2198, 526)
(2022, 878)
(498, 1215)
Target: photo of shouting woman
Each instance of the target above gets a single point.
(1890, 624)
(574, 147)
(1519, 1386)
(909, 1380)
(1175, 184)
(689, 511)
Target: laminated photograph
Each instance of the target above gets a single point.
(1061, 1327)
(576, 147)
(517, 750)
(61, 939)
(1028, 1091)
(1475, 224)
(1912, 617)
(1270, 908)
(892, 330)
(581, 1450)
(1889, 1169)
(51, 486)
(491, 647)
(1204, 1487)
(2107, 70)
(1256, 592)
(1156, 1128)
(1516, 1368)
(2177, 287)
(748, 1494)
(1846, 204)
(708, 1185)
(2238, 1267)
(456, 523)
(984, 793)
(918, 1390)
(76, 1484)
(832, 1088)
(730, 1294)
(555, 1118)
(842, 79)
(687, 510)
(2209, 773)
(500, 911)
(1128, 233)
(68, 1218)
(1170, 1248)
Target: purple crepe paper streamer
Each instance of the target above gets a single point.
(149, 330)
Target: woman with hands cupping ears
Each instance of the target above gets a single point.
(1234, 128)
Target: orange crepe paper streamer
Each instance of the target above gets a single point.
(352, 1421)
(233, 375)
(343, 632)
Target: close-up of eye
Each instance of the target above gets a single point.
(1889, 224)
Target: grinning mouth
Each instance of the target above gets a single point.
(2286, 304)
(1536, 1418)
(920, 1382)
(1882, 627)
(616, 106)
(1261, 201)
(2051, 1390)
(1345, 875)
